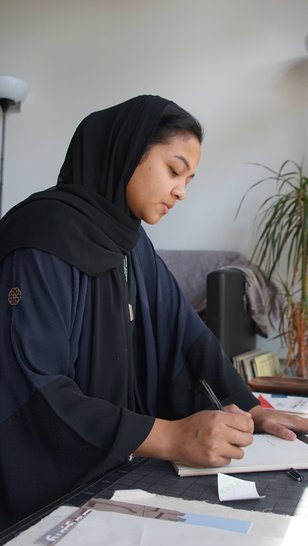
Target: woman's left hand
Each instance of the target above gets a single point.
(278, 423)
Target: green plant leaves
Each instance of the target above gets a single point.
(283, 235)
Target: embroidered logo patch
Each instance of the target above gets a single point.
(14, 296)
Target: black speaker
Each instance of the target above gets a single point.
(227, 311)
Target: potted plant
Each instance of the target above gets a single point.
(282, 243)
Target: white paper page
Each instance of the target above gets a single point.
(267, 529)
(28, 537)
(230, 488)
(109, 529)
(273, 453)
(263, 523)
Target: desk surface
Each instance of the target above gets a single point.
(283, 494)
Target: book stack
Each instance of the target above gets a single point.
(257, 364)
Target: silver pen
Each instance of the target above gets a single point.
(209, 393)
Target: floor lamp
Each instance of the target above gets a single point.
(12, 92)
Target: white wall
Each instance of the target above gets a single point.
(235, 64)
(239, 65)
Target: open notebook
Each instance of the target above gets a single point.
(266, 453)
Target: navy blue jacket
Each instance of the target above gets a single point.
(54, 433)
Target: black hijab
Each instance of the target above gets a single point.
(84, 220)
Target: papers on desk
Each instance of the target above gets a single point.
(283, 402)
(107, 528)
(267, 452)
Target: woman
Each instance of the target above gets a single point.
(100, 354)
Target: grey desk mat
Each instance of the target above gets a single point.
(282, 494)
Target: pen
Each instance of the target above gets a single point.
(206, 389)
(292, 473)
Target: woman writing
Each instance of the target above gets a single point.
(101, 356)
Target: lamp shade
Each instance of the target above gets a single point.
(12, 88)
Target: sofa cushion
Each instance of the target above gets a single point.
(191, 267)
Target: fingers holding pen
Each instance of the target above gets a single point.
(231, 432)
(248, 423)
(208, 392)
(212, 438)
(206, 438)
(236, 428)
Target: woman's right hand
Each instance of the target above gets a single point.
(206, 438)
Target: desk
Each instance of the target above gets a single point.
(283, 495)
